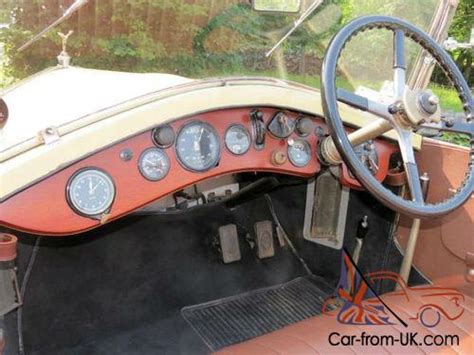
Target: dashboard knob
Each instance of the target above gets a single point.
(304, 126)
(163, 136)
(278, 158)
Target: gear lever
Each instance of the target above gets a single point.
(413, 237)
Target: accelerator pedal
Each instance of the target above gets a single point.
(264, 239)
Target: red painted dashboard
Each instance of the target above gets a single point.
(44, 209)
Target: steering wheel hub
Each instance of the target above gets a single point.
(420, 106)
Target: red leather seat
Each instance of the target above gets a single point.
(311, 336)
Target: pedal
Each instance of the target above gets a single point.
(229, 244)
(264, 239)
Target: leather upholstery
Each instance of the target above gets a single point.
(443, 241)
(311, 336)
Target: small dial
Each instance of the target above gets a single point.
(154, 164)
(299, 152)
(163, 136)
(198, 146)
(90, 192)
(237, 139)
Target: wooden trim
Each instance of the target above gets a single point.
(43, 208)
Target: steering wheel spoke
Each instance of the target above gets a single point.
(399, 65)
(455, 126)
(409, 162)
(363, 103)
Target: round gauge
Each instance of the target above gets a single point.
(198, 146)
(90, 192)
(153, 164)
(299, 152)
(163, 136)
(237, 139)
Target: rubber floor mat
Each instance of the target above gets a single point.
(238, 318)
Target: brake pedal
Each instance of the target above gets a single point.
(264, 239)
(229, 243)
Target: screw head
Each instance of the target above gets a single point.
(126, 154)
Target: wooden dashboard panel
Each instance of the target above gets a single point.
(43, 208)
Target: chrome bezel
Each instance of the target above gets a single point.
(140, 165)
(215, 162)
(154, 140)
(247, 133)
(77, 209)
(308, 147)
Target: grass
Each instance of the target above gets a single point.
(448, 98)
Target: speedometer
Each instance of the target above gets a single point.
(90, 192)
(237, 139)
(299, 152)
(198, 146)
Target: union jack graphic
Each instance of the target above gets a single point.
(361, 306)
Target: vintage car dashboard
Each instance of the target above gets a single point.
(136, 171)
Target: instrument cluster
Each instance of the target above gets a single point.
(173, 156)
(197, 148)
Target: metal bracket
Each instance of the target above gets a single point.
(49, 135)
(10, 297)
(450, 44)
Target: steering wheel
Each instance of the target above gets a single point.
(410, 110)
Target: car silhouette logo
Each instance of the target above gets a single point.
(355, 301)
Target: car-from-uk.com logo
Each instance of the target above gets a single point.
(355, 303)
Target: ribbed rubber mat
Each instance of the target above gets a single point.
(235, 319)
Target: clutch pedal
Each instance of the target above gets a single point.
(229, 243)
(264, 239)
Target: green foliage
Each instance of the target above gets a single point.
(157, 35)
(204, 38)
(460, 30)
(449, 99)
(454, 138)
(199, 38)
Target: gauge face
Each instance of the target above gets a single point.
(299, 152)
(91, 192)
(198, 146)
(237, 139)
(163, 136)
(154, 164)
